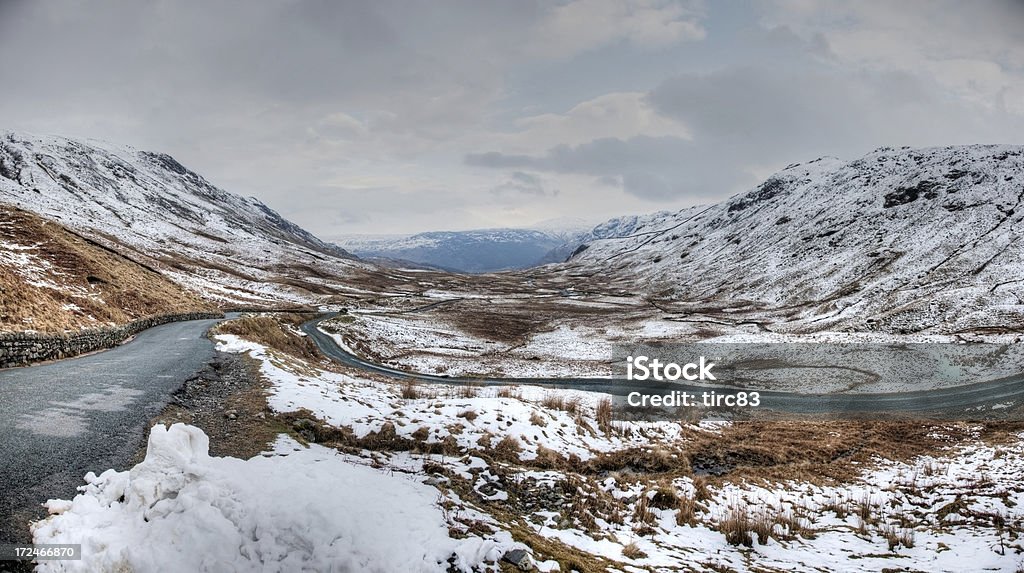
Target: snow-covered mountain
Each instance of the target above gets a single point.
(576, 242)
(476, 251)
(151, 208)
(901, 240)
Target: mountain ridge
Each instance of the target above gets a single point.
(905, 240)
(232, 249)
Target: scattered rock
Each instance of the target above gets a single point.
(519, 558)
(305, 428)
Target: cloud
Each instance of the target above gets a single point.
(743, 122)
(391, 116)
(976, 51)
(654, 168)
(581, 25)
(520, 183)
(614, 115)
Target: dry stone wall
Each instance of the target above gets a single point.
(21, 348)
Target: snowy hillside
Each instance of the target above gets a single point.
(151, 208)
(901, 240)
(613, 228)
(476, 251)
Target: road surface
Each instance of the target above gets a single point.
(60, 420)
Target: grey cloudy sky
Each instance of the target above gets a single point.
(404, 116)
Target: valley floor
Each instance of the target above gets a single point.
(491, 328)
(437, 478)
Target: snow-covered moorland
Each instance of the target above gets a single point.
(439, 476)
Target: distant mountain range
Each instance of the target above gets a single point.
(475, 251)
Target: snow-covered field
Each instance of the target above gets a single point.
(583, 346)
(303, 507)
(424, 344)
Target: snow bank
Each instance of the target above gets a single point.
(308, 510)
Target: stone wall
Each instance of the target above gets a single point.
(21, 348)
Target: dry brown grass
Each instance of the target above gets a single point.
(557, 401)
(112, 288)
(819, 452)
(740, 525)
(603, 414)
(411, 390)
(632, 551)
(508, 392)
(467, 391)
(642, 513)
(270, 331)
(896, 536)
(687, 511)
(508, 449)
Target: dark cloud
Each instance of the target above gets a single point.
(746, 120)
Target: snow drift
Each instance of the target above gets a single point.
(304, 510)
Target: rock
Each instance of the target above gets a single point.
(520, 558)
(305, 428)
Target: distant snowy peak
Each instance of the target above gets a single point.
(474, 251)
(903, 240)
(228, 247)
(565, 228)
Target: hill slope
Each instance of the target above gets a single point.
(148, 206)
(907, 240)
(54, 280)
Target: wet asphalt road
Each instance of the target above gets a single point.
(59, 421)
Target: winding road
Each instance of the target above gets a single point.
(962, 401)
(63, 419)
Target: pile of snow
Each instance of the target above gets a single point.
(304, 510)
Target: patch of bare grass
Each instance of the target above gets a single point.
(603, 415)
(632, 551)
(508, 449)
(411, 390)
(94, 285)
(271, 332)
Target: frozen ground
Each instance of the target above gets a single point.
(495, 467)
